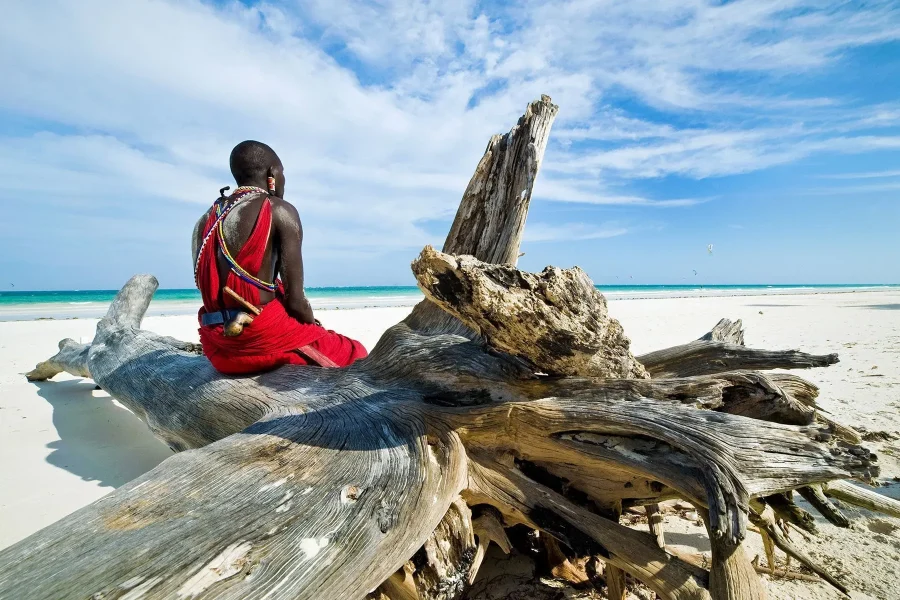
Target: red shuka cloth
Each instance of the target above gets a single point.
(274, 336)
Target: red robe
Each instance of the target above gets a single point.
(274, 336)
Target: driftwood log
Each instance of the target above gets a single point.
(505, 398)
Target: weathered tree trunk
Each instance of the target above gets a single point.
(504, 398)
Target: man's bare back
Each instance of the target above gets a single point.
(283, 256)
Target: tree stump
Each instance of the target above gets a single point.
(505, 398)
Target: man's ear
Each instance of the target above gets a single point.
(273, 172)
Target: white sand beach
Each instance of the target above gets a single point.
(63, 444)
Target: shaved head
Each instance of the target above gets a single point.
(251, 162)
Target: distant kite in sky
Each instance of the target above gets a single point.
(695, 271)
(709, 248)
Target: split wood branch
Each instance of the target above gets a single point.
(72, 358)
(704, 358)
(722, 349)
(862, 497)
(764, 517)
(814, 495)
(655, 523)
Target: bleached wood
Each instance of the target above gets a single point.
(706, 358)
(814, 495)
(71, 358)
(722, 349)
(731, 576)
(491, 215)
(524, 501)
(727, 331)
(655, 523)
(787, 510)
(557, 320)
(764, 517)
(346, 483)
(858, 496)
(488, 528)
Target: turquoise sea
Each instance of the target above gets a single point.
(67, 304)
(335, 294)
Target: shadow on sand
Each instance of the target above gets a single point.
(699, 540)
(98, 440)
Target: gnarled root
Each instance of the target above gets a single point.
(72, 358)
(764, 517)
(507, 395)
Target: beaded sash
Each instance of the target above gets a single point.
(222, 209)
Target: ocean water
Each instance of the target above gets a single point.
(67, 304)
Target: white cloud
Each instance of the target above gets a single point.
(864, 175)
(662, 50)
(90, 166)
(614, 126)
(714, 153)
(850, 190)
(542, 232)
(557, 190)
(381, 110)
(395, 31)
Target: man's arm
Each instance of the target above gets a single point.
(290, 240)
(197, 238)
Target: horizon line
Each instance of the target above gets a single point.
(413, 287)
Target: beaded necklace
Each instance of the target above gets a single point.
(238, 269)
(246, 189)
(223, 206)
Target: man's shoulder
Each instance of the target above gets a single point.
(202, 220)
(282, 209)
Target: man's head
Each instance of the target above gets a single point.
(252, 163)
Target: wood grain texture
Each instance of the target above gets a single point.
(492, 213)
(862, 497)
(508, 395)
(655, 523)
(727, 331)
(765, 517)
(72, 358)
(705, 358)
(814, 495)
(557, 320)
(722, 349)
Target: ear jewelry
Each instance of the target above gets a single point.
(271, 182)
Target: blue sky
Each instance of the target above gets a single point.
(768, 128)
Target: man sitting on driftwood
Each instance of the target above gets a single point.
(251, 320)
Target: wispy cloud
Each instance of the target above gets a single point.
(542, 232)
(381, 110)
(562, 190)
(850, 190)
(864, 175)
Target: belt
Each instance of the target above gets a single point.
(310, 354)
(220, 317)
